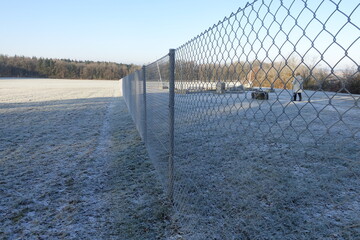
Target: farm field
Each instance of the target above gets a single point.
(72, 165)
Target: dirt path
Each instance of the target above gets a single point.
(72, 165)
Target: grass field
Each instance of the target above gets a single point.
(72, 165)
(254, 169)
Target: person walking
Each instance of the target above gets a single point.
(298, 83)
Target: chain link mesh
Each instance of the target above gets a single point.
(249, 161)
(157, 142)
(134, 95)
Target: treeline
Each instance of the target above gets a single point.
(277, 74)
(19, 66)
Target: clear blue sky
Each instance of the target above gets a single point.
(131, 31)
(141, 31)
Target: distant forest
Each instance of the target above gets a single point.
(19, 66)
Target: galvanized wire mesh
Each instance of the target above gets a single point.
(134, 95)
(157, 104)
(249, 161)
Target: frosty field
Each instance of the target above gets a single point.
(253, 169)
(272, 169)
(72, 165)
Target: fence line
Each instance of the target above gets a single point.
(239, 158)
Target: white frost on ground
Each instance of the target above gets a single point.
(253, 169)
(65, 151)
(275, 169)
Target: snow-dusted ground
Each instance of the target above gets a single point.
(72, 165)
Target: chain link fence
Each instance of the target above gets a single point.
(134, 93)
(240, 157)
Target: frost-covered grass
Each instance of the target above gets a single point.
(253, 169)
(276, 169)
(72, 165)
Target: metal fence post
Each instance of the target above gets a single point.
(171, 122)
(144, 105)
